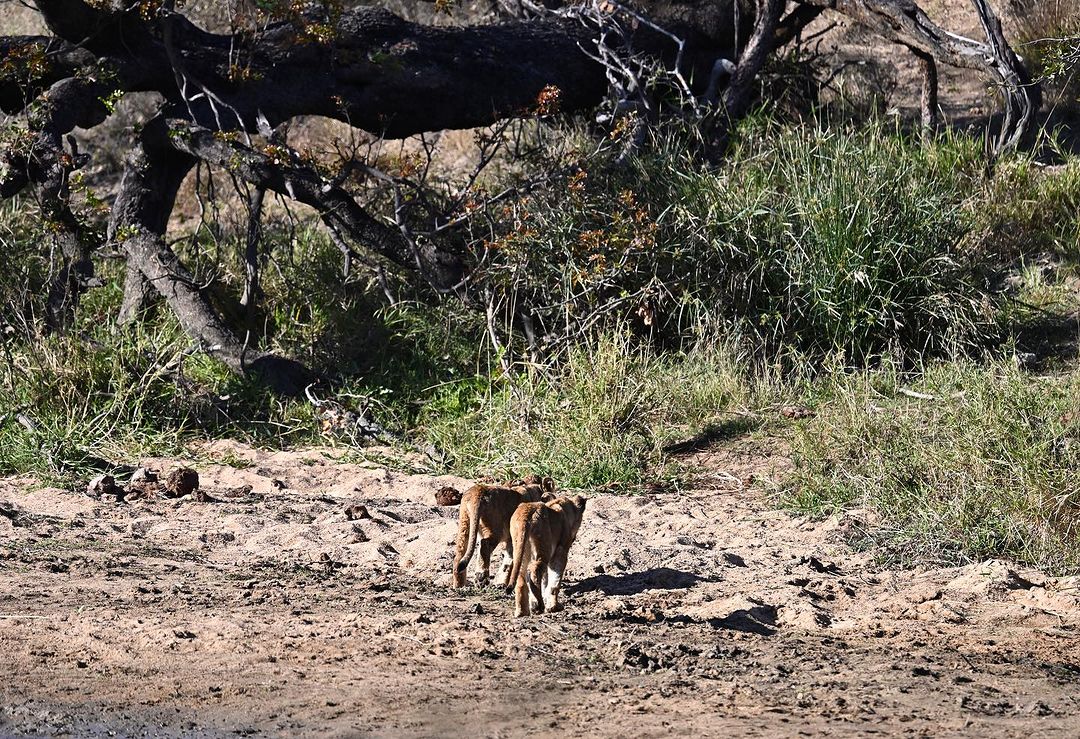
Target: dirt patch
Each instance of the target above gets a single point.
(701, 612)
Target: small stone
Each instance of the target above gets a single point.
(612, 608)
(141, 490)
(356, 512)
(733, 559)
(9, 511)
(1038, 708)
(101, 485)
(143, 475)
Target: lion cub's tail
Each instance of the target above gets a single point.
(521, 540)
(470, 511)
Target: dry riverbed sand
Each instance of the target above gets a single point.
(702, 612)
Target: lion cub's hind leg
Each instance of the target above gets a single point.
(537, 574)
(507, 564)
(521, 587)
(483, 577)
(556, 568)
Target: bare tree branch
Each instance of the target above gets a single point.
(904, 22)
(300, 181)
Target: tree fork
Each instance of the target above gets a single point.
(152, 177)
(905, 23)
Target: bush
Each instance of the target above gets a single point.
(105, 393)
(827, 241)
(1049, 35)
(1029, 211)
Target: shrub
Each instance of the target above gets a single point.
(114, 393)
(828, 241)
(1049, 35)
(1029, 211)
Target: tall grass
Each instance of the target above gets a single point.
(69, 402)
(982, 463)
(824, 240)
(1027, 211)
(606, 415)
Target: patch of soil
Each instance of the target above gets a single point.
(701, 613)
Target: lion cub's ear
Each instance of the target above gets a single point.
(547, 484)
(579, 501)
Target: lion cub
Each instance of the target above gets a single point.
(542, 487)
(542, 534)
(486, 511)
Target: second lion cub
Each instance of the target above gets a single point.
(485, 514)
(542, 535)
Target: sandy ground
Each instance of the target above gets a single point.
(702, 612)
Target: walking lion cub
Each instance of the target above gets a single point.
(485, 514)
(542, 534)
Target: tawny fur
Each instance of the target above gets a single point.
(546, 484)
(536, 488)
(485, 515)
(542, 534)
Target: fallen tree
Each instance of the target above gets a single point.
(223, 97)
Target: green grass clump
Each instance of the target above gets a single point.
(604, 416)
(100, 394)
(986, 466)
(1027, 210)
(70, 401)
(822, 240)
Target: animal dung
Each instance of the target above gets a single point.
(447, 496)
(356, 512)
(181, 481)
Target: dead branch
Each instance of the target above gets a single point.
(904, 22)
